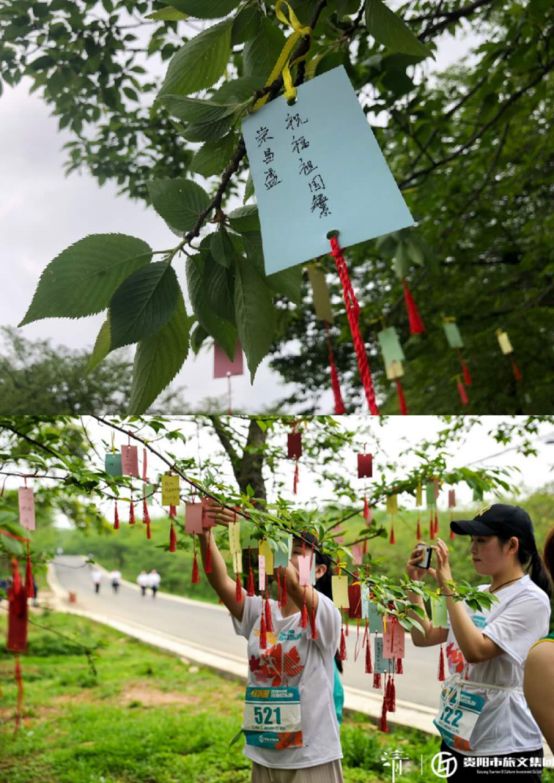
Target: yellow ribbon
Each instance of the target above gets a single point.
(282, 66)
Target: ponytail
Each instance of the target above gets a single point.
(530, 559)
(539, 574)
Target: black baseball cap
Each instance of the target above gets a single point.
(498, 519)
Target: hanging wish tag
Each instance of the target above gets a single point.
(170, 490)
(382, 665)
(112, 464)
(267, 553)
(339, 587)
(193, 518)
(439, 612)
(223, 366)
(375, 619)
(393, 640)
(261, 573)
(26, 508)
(304, 569)
(129, 461)
(282, 553)
(317, 167)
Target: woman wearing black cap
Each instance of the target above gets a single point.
(538, 683)
(484, 719)
(290, 723)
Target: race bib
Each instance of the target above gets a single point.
(272, 718)
(460, 709)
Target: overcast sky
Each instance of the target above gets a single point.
(42, 212)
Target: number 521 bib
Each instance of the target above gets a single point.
(272, 718)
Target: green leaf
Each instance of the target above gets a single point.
(255, 314)
(159, 358)
(101, 346)
(200, 62)
(167, 14)
(260, 53)
(246, 24)
(236, 90)
(248, 189)
(195, 111)
(206, 9)
(218, 284)
(245, 219)
(143, 303)
(213, 156)
(208, 131)
(288, 282)
(223, 332)
(390, 30)
(82, 279)
(179, 201)
(197, 337)
(222, 248)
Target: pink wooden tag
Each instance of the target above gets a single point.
(193, 518)
(393, 640)
(27, 508)
(357, 554)
(223, 366)
(304, 568)
(261, 573)
(129, 461)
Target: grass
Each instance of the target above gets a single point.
(147, 717)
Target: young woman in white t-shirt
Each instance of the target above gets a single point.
(483, 718)
(290, 727)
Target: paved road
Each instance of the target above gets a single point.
(210, 626)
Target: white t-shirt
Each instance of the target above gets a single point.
(143, 580)
(115, 576)
(294, 659)
(154, 580)
(515, 622)
(96, 576)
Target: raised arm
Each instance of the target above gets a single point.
(430, 635)
(218, 578)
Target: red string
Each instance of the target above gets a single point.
(516, 371)
(295, 480)
(414, 319)
(353, 315)
(401, 398)
(465, 371)
(462, 392)
(335, 382)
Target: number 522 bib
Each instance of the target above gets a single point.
(272, 718)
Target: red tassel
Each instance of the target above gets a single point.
(401, 398)
(172, 539)
(172, 512)
(295, 480)
(29, 581)
(441, 665)
(418, 531)
(19, 703)
(392, 537)
(376, 679)
(431, 525)
(516, 371)
(383, 721)
(367, 511)
(145, 512)
(353, 315)
(238, 588)
(335, 383)
(313, 627)
(250, 584)
(368, 663)
(195, 572)
(304, 615)
(462, 392)
(132, 513)
(268, 617)
(342, 648)
(208, 558)
(17, 613)
(436, 524)
(399, 666)
(116, 517)
(466, 372)
(391, 698)
(263, 636)
(414, 319)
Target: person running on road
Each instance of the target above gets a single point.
(154, 580)
(143, 582)
(290, 722)
(115, 577)
(96, 575)
(538, 683)
(483, 711)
